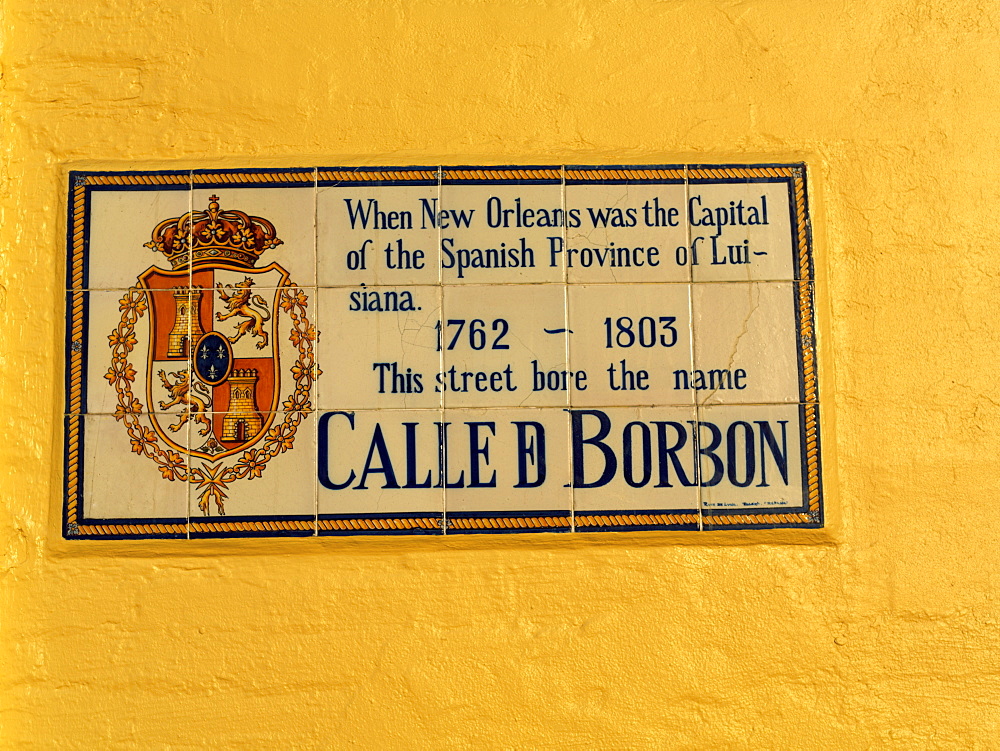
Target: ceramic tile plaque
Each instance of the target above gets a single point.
(440, 350)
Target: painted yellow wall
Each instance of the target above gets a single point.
(881, 631)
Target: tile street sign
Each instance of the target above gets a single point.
(428, 350)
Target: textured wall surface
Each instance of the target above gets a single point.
(880, 631)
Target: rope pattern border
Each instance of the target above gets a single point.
(635, 520)
(74, 419)
(508, 522)
(385, 523)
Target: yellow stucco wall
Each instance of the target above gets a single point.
(881, 631)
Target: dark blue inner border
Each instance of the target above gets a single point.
(310, 179)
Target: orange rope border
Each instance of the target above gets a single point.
(797, 173)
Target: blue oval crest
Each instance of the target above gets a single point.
(213, 358)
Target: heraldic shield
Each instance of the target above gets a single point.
(212, 358)
(217, 406)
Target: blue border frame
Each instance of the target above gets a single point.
(311, 178)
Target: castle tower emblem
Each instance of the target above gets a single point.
(187, 327)
(242, 419)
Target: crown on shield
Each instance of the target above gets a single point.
(213, 235)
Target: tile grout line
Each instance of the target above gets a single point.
(190, 244)
(319, 334)
(442, 404)
(693, 350)
(567, 354)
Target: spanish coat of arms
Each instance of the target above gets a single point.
(210, 412)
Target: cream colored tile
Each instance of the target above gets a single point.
(106, 334)
(379, 347)
(634, 467)
(380, 471)
(502, 233)
(508, 470)
(625, 232)
(290, 210)
(746, 344)
(131, 337)
(741, 230)
(119, 483)
(751, 459)
(378, 234)
(504, 346)
(263, 481)
(120, 224)
(630, 340)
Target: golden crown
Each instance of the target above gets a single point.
(213, 235)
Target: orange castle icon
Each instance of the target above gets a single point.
(187, 325)
(242, 421)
